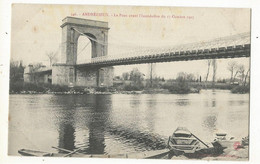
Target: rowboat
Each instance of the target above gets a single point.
(183, 142)
(227, 141)
(28, 152)
(155, 154)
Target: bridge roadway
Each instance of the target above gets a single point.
(213, 53)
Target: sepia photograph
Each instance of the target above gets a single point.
(139, 82)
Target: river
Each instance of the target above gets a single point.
(121, 123)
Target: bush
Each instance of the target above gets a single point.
(33, 87)
(241, 89)
(133, 87)
(179, 89)
(58, 88)
(18, 87)
(101, 89)
(218, 86)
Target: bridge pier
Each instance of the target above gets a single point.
(70, 75)
(95, 77)
(63, 74)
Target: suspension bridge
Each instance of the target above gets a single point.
(233, 46)
(98, 70)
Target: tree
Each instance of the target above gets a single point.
(237, 71)
(232, 66)
(151, 72)
(190, 77)
(52, 57)
(214, 65)
(185, 77)
(181, 77)
(36, 66)
(136, 76)
(182, 83)
(125, 76)
(117, 77)
(16, 71)
(163, 80)
(241, 70)
(209, 63)
(247, 75)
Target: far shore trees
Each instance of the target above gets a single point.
(125, 76)
(136, 76)
(52, 56)
(247, 76)
(133, 80)
(238, 73)
(214, 75)
(209, 63)
(16, 71)
(232, 67)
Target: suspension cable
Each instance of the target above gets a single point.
(83, 48)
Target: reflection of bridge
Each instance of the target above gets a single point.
(98, 71)
(97, 117)
(93, 125)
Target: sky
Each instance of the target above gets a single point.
(36, 31)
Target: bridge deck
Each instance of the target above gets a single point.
(213, 53)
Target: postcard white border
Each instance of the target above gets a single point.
(5, 26)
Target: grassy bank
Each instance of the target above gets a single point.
(241, 89)
(20, 87)
(175, 88)
(31, 88)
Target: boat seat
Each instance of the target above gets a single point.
(184, 138)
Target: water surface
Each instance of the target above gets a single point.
(120, 123)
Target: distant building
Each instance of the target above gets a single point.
(41, 74)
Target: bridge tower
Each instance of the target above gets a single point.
(67, 72)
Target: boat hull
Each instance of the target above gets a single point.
(182, 141)
(156, 154)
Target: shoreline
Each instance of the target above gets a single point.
(27, 88)
(155, 91)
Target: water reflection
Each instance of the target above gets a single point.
(182, 102)
(237, 102)
(66, 136)
(213, 102)
(65, 121)
(241, 102)
(151, 106)
(95, 117)
(210, 122)
(98, 124)
(135, 101)
(96, 138)
(210, 102)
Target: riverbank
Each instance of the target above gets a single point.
(233, 155)
(28, 88)
(93, 91)
(229, 155)
(240, 153)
